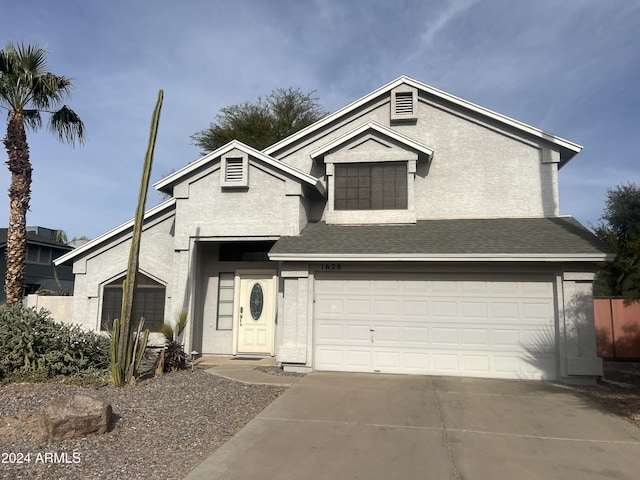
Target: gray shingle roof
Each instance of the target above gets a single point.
(499, 236)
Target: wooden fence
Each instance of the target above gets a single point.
(617, 328)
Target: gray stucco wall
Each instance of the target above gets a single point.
(103, 266)
(478, 169)
(270, 206)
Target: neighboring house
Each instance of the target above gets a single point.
(43, 248)
(409, 232)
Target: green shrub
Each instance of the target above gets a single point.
(33, 346)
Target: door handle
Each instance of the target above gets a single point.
(371, 330)
(241, 310)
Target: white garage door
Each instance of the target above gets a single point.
(487, 326)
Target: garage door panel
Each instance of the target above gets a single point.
(417, 334)
(473, 287)
(441, 325)
(505, 310)
(539, 311)
(538, 340)
(414, 308)
(385, 287)
(330, 306)
(444, 336)
(476, 364)
(506, 337)
(475, 337)
(445, 363)
(359, 358)
(357, 334)
(356, 306)
(444, 309)
(357, 286)
(382, 308)
(442, 287)
(475, 310)
(414, 286)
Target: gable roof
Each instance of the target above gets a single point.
(168, 182)
(567, 148)
(496, 239)
(376, 127)
(162, 208)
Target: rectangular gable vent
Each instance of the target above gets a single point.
(234, 171)
(404, 103)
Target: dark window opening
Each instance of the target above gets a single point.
(148, 303)
(371, 186)
(38, 254)
(245, 251)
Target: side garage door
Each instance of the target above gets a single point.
(481, 326)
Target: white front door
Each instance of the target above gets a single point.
(255, 313)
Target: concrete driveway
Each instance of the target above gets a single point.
(366, 426)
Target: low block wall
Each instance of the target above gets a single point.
(61, 307)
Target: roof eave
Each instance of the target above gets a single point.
(419, 257)
(112, 233)
(166, 183)
(571, 147)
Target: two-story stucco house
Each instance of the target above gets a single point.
(409, 232)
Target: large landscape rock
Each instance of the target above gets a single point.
(74, 416)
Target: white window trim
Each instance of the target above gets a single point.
(354, 217)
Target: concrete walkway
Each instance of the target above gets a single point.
(243, 370)
(348, 426)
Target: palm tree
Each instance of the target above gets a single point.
(27, 89)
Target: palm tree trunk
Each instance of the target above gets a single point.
(19, 196)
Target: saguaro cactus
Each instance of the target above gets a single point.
(126, 350)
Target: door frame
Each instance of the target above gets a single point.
(272, 275)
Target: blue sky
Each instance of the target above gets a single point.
(569, 67)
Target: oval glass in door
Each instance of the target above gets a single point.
(256, 301)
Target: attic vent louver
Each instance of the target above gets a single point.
(404, 103)
(234, 171)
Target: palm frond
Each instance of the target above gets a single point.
(49, 90)
(32, 119)
(6, 65)
(67, 125)
(33, 58)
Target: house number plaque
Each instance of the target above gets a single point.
(331, 266)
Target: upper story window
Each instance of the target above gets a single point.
(38, 254)
(371, 172)
(371, 186)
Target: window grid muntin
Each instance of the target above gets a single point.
(371, 186)
(225, 301)
(149, 302)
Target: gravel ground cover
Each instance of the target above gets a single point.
(618, 390)
(163, 427)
